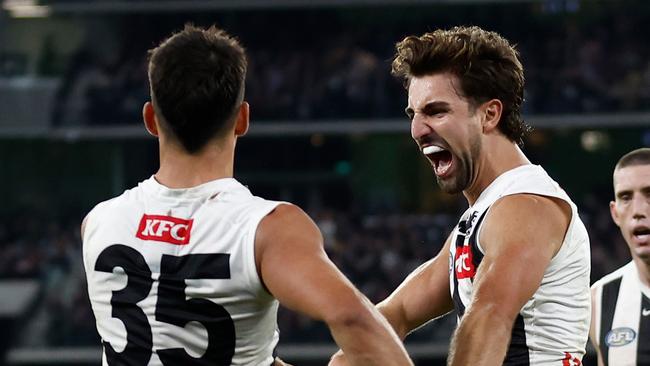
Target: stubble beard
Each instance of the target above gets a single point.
(461, 180)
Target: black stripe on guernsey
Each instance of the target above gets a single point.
(518, 349)
(460, 307)
(465, 226)
(643, 344)
(607, 308)
(477, 256)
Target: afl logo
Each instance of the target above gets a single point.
(618, 337)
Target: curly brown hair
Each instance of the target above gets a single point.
(486, 65)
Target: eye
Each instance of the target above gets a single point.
(626, 197)
(435, 111)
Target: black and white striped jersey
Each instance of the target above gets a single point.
(552, 328)
(622, 318)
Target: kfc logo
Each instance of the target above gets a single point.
(569, 360)
(463, 263)
(169, 229)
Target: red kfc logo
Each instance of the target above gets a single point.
(569, 360)
(463, 263)
(169, 229)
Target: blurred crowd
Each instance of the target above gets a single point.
(376, 251)
(329, 64)
(595, 60)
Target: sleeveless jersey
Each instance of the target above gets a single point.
(552, 327)
(622, 318)
(172, 277)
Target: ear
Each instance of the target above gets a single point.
(614, 213)
(492, 110)
(242, 122)
(149, 117)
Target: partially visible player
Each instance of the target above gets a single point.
(620, 325)
(516, 267)
(187, 268)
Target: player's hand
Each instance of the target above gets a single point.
(279, 362)
(338, 359)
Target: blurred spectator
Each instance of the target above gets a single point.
(591, 63)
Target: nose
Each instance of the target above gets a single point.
(640, 207)
(419, 127)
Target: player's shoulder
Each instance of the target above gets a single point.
(285, 213)
(100, 208)
(97, 211)
(286, 229)
(525, 206)
(613, 276)
(114, 202)
(519, 200)
(111, 207)
(286, 220)
(531, 180)
(524, 218)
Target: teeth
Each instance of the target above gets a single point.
(432, 149)
(642, 237)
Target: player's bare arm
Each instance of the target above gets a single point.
(424, 295)
(83, 227)
(294, 267)
(521, 235)
(279, 362)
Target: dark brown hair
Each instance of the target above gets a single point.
(635, 157)
(487, 67)
(197, 84)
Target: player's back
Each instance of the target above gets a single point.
(172, 277)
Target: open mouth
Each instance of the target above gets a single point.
(641, 234)
(440, 157)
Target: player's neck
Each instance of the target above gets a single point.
(643, 270)
(495, 160)
(179, 169)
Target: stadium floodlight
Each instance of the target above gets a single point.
(26, 9)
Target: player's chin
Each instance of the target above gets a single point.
(642, 252)
(450, 184)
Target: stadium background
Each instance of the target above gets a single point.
(328, 133)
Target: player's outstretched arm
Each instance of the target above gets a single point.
(295, 269)
(520, 236)
(424, 295)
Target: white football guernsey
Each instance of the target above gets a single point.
(622, 318)
(553, 326)
(172, 277)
